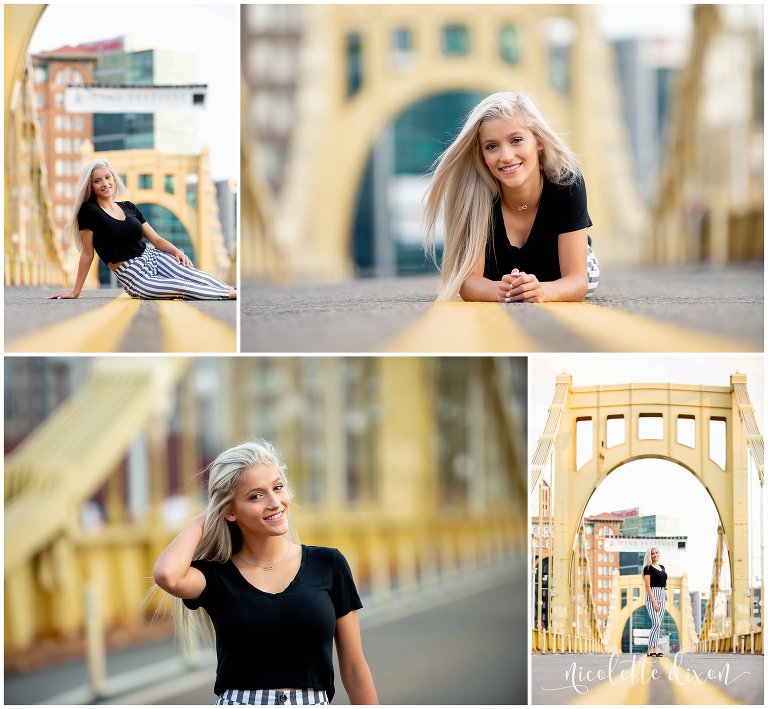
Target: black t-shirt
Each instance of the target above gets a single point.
(658, 578)
(562, 209)
(277, 640)
(114, 240)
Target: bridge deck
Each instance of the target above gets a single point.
(107, 320)
(636, 679)
(635, 311)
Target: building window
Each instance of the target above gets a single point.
(69, 76)
(509, 44)
(145, 182)
(170, 184)
(39, 101)
(41, 74)
(402, 46)
(455, 40)
(354, 51)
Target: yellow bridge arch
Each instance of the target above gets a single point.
(677, 586)
(668, 404)
(336, 132)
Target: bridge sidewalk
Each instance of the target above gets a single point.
(107, 320)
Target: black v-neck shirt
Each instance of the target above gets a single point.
(562, 209)
(277, 640)
(114, 240)
(658, 576)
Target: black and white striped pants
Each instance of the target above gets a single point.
(660, 595)
(277, 697)
(156, 275)
(593, 271)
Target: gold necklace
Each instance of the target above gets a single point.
(525, 206)
(269, 566)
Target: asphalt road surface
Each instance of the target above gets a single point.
(685, 310)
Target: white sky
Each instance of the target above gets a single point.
(210, 32)
(664, 485)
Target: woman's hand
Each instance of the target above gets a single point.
(656, 606)
(521, 287)
(183, 259)
(64, 296)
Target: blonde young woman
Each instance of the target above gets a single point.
(274, 607)
(118, 232)
(515, 210)
(655, 581)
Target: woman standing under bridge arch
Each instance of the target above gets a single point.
(515, 207)
(274, 607)
(117, 231)
(655, 581)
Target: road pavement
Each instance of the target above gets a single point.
(635, 679)
(458, 643)
(639, 310)
(106, 320)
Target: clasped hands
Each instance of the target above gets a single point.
(520, 287)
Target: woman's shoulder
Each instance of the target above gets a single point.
(326, 553)
(127, 204)
(88, 207)
(570, 187)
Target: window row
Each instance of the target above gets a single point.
(650, 427)
(67, 145)
(455, 41)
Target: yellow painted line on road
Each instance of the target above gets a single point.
(463, 327)
(688, 690)
(627, 689)
(186, 329)
(98, 330)
(615, 330)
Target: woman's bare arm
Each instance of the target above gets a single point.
(572, 284)
(173, 572)
(164, 245)
(83, 266)
(478, 288)
(355, 673)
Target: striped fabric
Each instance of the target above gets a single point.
(156, 275)
(593, 271)
(660, 595)
(278, 697)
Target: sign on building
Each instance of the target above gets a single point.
(643, 543)
(121, 98)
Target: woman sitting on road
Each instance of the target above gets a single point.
(275, 607)
(116, 232)
(515, 209)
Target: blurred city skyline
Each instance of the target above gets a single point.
(209, 32)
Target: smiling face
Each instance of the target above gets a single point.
(655, 556)
(260, 504)
(102, 182)
(510, 151)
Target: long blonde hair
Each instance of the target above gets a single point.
(464, 187)
(647, 558)
(84, 194)
(222, 538)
